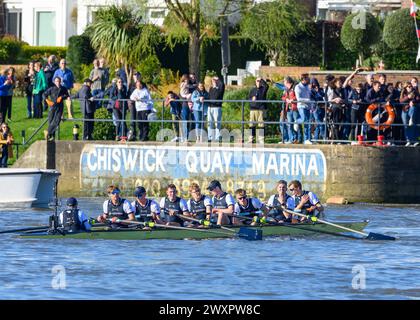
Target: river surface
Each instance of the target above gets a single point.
(320, 267)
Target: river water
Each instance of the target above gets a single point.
(320, 267)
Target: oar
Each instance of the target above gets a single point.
(368, 236)
(199, 221)
(254, 235)
(25, 229)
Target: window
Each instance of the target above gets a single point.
(14, 23)
(157, 14)
(46, 28)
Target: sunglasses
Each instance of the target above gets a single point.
(292, 189)
(242, 198)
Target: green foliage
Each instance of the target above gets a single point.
(357, 37)
(149, 68)
(84, 72)
(40, 53)
(272, 24)
(400, 31)
(79, 52)
(400, 60)
(10, 47)
(104, 130)
(119, 36)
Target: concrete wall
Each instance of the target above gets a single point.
(359, 173)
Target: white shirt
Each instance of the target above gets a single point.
(154, 206)
(270, 202)
(143, 99)
(230, 200)
(126, 207)
(303, 93)
(255, 202)
(83, 218)
(182, 204)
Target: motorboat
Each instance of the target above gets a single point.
(25, 188)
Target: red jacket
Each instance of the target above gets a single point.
(289, 94)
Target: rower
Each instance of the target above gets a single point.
(145, 210)
(199, 206)
(223, 203)
(73, 219)
(277, 202)
(172, 205)
(248, 207)
(116, 208)
(305, 202)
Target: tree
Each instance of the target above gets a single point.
(360, 32)
(119, 35)
(196, 19)
(272, 25)
(400, 31)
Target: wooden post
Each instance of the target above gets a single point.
(51, 154)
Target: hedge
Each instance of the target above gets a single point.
(29, 53)
(79, 52)
(10, 49)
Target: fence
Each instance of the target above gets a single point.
(316, 124)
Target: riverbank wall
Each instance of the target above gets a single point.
(374, 174)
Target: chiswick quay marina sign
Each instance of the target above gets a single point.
(154, 166)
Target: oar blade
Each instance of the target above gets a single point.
(250, 234)
(378, 236)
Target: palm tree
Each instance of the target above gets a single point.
(119, 35)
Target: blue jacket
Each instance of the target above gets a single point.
(67, 78)
(195, 98)
(4, 88)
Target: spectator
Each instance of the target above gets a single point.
(105, 77)
(88, 107)
(357, 97)
(257, 108)
(337, 99)
(5, 85)
(118, 95)
(96, 76)
(121, 74)
(303, 96)
(186, 113)
(144, 106)
(369, 82)
(49, 70)
(40, 85)
(200, 109)
(28, 82)
(393, 98)
(192, 83)
(55, 97)
(11, 75)
(318, 109)
(132, 107)
(6, 141)
(415, 83)
(410, 99)
(67, 81)
(374, 96)
(382, 81)
(214, 116)
(289, 113)
(176, 107)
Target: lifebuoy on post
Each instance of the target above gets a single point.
(372, 120)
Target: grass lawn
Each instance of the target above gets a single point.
(20, 123)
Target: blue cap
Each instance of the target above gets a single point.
(72, 202)
(139, 192)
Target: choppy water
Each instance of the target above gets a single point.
(321, 267)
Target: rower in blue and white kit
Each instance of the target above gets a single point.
(73, 219)
(199, 206)
(116, 208)
(172, 205)
(249, 207)
(277, 202)
(223, 203)
(145, 210)
(305, 202)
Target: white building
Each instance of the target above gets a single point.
(41, 22)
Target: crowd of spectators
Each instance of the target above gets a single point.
(310, 112)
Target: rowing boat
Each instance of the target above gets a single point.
(301, 229)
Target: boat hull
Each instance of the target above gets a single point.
(277, 230)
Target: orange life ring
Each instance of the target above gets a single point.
(373, 123)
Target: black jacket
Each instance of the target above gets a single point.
(84, 94)
(260, 94)
(216, 93)
(54, 93)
